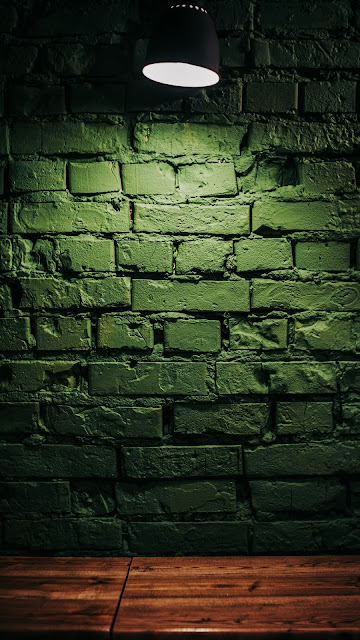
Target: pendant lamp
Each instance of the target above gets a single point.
(184, 49)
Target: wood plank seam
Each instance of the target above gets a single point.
(119, 601)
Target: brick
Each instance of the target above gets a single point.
(330, 97)
(179, 139)
(215, 219)
(56, 333)
(148, 378)
(233, 16)
(271, 97)
(322, 177)
(176, 497)
(58, 460)
(51, 293)
(293, 216)
(5, 297)
(233, 51)
(287, 537)
(148, 179)
(94, 177)
(68, 137)
(355, 496)
(181, 462)
(9, 18)
(225, 99)
(301, 377)
(63, 534)
(97, 98)
(19, 417)
(304, 137)
(351, 417)
(326, 296)
(303, 417)
(4, 139)
(317, 459)
(231, 295)
(341, 535)
(38, 176)
(6, 254)
(265, 334)
(238, 377)
(145, 95)
(307, 54)
(37, 497)
(92, 498)
(262, 254)
(117, 332)
(153, 256)
(349, 377)
(17, 61)
(90, 61)
(205, 256)
(85, 20)
(324, 333)
(15, 334)
(86, 253)
(68, 217)
(37, 375)
(275, 377)
(211, 179)
(296, 15)
(230, 419)
(188, 538)
(26, 100)
(116, 421)
(199, 336)
(322, 256)
(312, 496)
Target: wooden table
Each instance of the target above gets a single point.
(66, 597)
(225, 597)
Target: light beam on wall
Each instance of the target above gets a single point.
(184, 49)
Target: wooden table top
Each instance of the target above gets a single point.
(63, 596)
(142, 598)
(240, 597)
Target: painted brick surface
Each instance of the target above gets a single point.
(303, 417)
(145, 255)
(116, 332)
(193, 335)
(56, 333)
(148, 179)
(263, 254)
(38, 176)
(271, 97)
(322, 177)
(325, 256)
(94, 177)
(206, 255)
(179, 285)
(176, 295)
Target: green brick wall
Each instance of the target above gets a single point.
(179, 284)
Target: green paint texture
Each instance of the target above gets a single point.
(179, 285)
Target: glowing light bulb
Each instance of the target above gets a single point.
(180, 74)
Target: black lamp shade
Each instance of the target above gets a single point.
(184, 50)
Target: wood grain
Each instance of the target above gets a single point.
(62, 597)
(237, 597)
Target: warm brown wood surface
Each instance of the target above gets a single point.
(241, 597)
(67, 597)
(232, 597)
